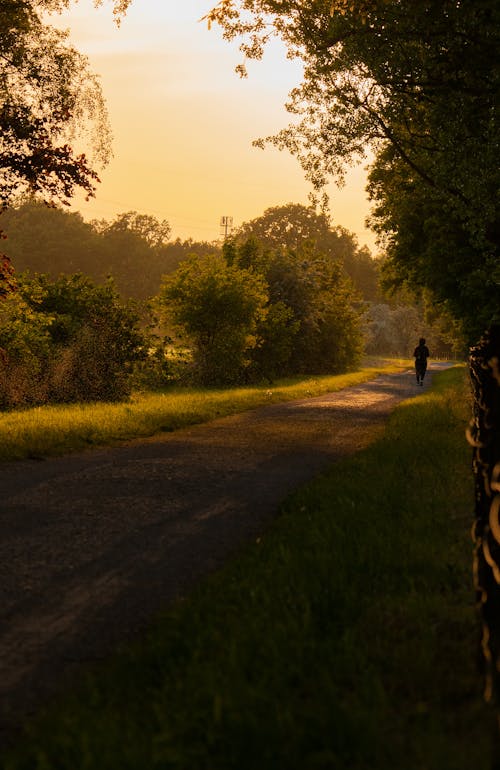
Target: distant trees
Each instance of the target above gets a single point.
(133, 248)
(315, 284)
(294, 226)
(146, 227)
(49, 240)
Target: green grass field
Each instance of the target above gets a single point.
(53, 430)
(344, 638)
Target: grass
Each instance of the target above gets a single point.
(55, 430)
(345, 637)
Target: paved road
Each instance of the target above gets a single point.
(94, 544)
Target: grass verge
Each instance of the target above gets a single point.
(55, 430)
(343, 638)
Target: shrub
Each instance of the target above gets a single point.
(275, 338)
(66, 340)
(217, 306)
(25, 353)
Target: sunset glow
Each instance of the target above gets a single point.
(183, 122)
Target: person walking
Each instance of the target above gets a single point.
(421, 354)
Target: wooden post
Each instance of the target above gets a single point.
(484, 435)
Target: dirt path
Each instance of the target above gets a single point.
(94, 544)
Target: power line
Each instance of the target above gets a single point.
(173, 219)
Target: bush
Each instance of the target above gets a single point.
(25, 353)
(66, 340)
(322, 333)
(275, 338)
(218, 307)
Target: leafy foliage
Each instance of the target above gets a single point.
(429, 247)
(133, 248)
(276, 333)
(66, 340)
(294, 226)
(47, 96)
(321, 301)
(256, 312)
(25, 352)
(217, 305)
(417, 83)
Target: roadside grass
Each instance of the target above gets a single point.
(53, 430)
(344, 637)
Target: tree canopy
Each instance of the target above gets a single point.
(319, 298)
(49, 100)
(48, 95)
(133, 248)
(415, 76)
(294, 226)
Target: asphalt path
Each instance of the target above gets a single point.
(94, 544)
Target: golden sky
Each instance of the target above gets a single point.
(183, 122)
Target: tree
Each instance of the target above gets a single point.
(289, 227)
(50, 240)
(47, 95)
(146, 227)
(294, 226)
(428, 247)
(25, 353)
(132, 249)
(418, 77)
(217, 306)
(323, 327)
(418, 82)
(275, 336)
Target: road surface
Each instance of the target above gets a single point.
(94, 544)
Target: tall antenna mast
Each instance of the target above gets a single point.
(226, 226)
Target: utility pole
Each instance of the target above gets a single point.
(226, 226)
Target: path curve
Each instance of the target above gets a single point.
(93, 544)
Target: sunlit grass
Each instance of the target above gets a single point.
(345, 637)
(52, 430)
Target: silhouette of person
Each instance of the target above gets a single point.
(421, 354)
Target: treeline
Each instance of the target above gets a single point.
(134, 249)
(101, 308)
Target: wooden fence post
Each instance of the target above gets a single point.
(484, 435)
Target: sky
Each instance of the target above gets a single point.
(183, 122)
